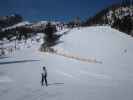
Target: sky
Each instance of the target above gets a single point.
(59, 10)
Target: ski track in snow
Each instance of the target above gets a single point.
(66, 74)
(5, 79)
(97, 76)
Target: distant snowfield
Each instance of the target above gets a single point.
(71, 79)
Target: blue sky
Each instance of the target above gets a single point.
(63, 10)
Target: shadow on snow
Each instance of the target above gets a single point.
(3, 57)
(57, 84)
(18, 61)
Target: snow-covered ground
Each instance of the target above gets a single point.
(71, 79)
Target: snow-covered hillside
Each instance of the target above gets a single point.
(21, 24)
(32, 25)
(118, 16)
(71, 79)
(119, 13)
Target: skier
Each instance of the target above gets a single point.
(44, 77)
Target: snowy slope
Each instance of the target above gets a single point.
(71, 79)
(24, 23)
(43, 23)
(39, 24)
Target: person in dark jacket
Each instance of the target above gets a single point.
(44, 76)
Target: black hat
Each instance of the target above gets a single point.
(44, 67)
